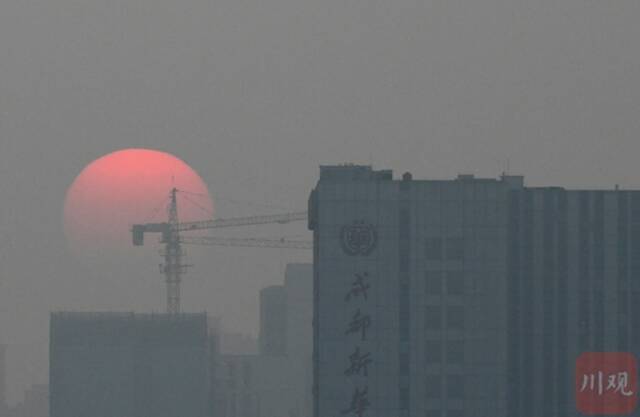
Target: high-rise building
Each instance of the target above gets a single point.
(273, 321)
(34, 404)
(298, 286)
(237, 343)
(276, 382)
(465, 297)
(130, 365)
(298, 289)
(572, 260)
(255, 386)
(3, 381)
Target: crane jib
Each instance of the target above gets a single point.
(173, 267)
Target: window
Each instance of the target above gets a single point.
(433, 353)
(455, 283)
(455, 387)
(433, 283)
(454, 248)
(231, 370)
(404, 288)
(405, 321)
(246, 374)
(635, 207)
(433, 386)
(404, 398)
(404, 331)
(404, 314)
(455, 317)
(433, 318)
(455, 352)
(433, 248)
(404, 364)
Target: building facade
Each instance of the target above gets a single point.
(277, 381)
(34, 404)
(298, 286)
(130, 365)
(3, 381)
(273, 321)
(466, 297)
(572, 258)
(255, 386)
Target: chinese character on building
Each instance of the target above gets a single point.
(359, 360)
(359, 287)
(359, 402)
(359, 363)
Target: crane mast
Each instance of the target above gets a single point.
(173, 253)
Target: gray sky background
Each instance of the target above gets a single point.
(255, 94)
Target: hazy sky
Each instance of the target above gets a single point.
(255, 94)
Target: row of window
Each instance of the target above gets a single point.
(436, 320)
(439, 282)
(449, 413)
(451, 248)
(452, 354)
(404, 405)
(453, 387)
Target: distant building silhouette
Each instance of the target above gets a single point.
(255, 385)
(237, 343)
(126, 364)
(3, 381)
(298, 286)
(34, 404)
(465, 297)
(273, 321)
(276, 382)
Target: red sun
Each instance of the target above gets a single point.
(127, 187)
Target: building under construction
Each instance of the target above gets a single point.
(131, 365)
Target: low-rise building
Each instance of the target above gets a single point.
(131, 365)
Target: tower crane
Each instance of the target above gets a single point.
(172, 239)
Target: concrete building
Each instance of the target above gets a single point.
(572, 258)
(3, 381)
(298, 287)
(276, 382)
(34, 404)
(273, 321)
(131, 365)
(235, 343)
(255, 386)
(466, 297)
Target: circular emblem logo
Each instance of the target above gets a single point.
(359, 238)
